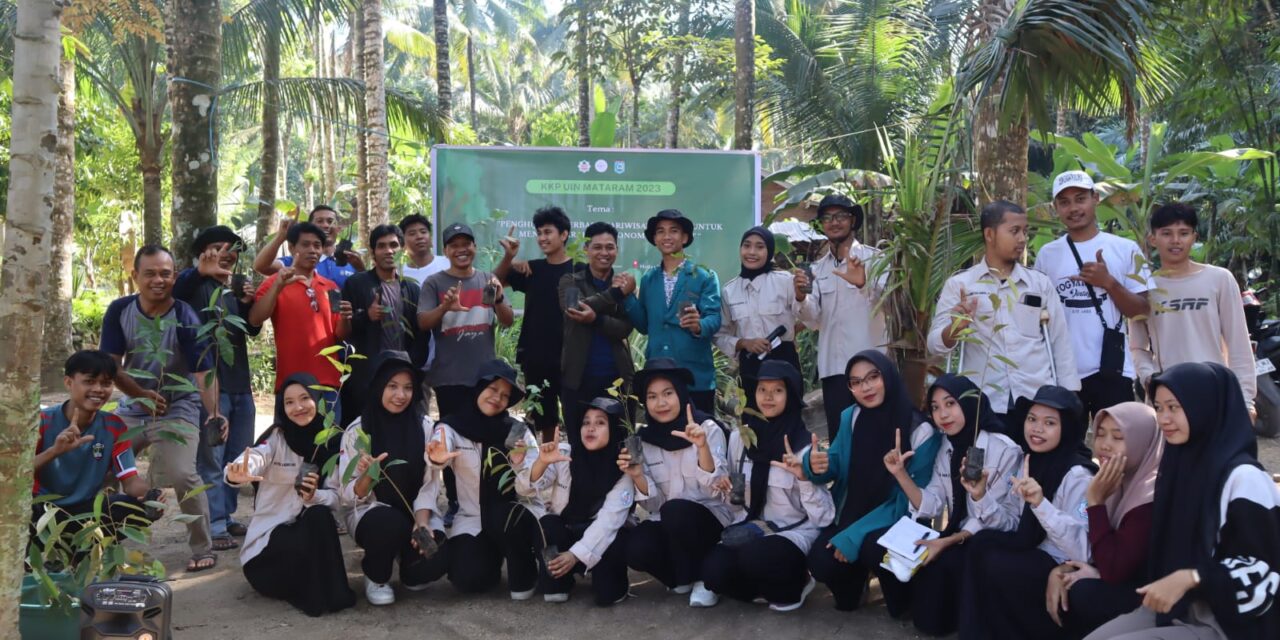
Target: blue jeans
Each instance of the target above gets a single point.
(239, 410)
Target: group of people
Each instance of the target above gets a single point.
(1174, 531)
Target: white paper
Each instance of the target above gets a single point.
(902, 536)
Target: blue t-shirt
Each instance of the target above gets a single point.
(127, 331)
(78, 475)
(328, 268)
(600, 362)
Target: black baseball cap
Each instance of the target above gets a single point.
(214, 235)
(457, 229)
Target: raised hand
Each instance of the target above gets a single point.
(510, 245)
(1095, 273)
(819, 460)
(977, 490)
(693, 432)
(895, 460)
(69, 439)
(1028, 487)
(285, 277)
(367, 461)
(855, 272)
(209, 263)
(801, 283)
(453, 300)
(966, 308)
(282, 230)
(238, 472)
(438, 451)
(549, 453)
(355, 260)
(376, 311)
(1106, 482)
(497, 284)
(790, 461)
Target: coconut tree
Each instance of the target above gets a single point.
(57, 334)
(444, 90)
(36, 88)
(744, 71)
(194, 39)
(375, 108)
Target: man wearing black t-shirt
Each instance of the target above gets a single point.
(538, 350)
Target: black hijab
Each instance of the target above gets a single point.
(1186, 515)
(1050, 467)
(490, 432)
(767, 236)
(399, 435)
(658, 433)
(874, 433)
(977, 417)
(594, 472)
(302, 438)
(773, 435)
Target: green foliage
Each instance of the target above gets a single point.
(86, 319)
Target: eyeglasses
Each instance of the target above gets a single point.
(869, 380)
(311, 295)
(835, 215)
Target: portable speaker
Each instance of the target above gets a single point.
(134, 607)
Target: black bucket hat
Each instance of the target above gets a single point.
(651, 227)
(214, 235)
(609, 406)
(661, 368)
(782, 370)
(841, 201)
(499, 370)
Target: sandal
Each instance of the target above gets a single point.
(202, 562)
(225, 543)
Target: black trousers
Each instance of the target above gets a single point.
(573, 401)
(836, 397)
(770, 567)
(451, 399)
(609, 582)
(1093, 603)
(673, 548)
(936, 588)
(547, 379)
(302, 564)
(848, 580)
(508, 532)
(1104, 389)
(384, 534)
(704, 400)
(1003, 592)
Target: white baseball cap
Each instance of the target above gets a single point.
(1070, 179)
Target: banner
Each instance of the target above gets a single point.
(492, 188)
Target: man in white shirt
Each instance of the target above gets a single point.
(1006, 319)
(417, 241)
(843, 315)
(1101, 279)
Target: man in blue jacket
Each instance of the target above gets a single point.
(678, 305)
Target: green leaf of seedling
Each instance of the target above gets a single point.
(43, 498)
(349, 471)
(375, 473)
(329, 465)
(972, 393)
(1005, 360)
(331, 350)
(363, 442)
(356, 356)
(998, 328)
(196, 491)
(133, 534)
(186, 518)
(393, 463)
(175, 438)
(321, 388)
(140, 374)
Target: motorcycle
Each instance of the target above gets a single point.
(1265, 337)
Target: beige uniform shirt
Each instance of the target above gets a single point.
(754, 308)
(845, 316)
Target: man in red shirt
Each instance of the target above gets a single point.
(305, 311)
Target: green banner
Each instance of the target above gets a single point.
(492, 188)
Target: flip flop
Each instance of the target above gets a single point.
(195, 563)
(225, 543)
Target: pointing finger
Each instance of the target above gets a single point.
(897, 440)
(245, 460)
(1026, 467)
(813, 442)
(689, 409)
(512, 231)
(381, 457)
(786, 444)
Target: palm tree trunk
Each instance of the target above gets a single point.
(677, 81)
(328, 139)
(471, 81)
(1000, 153)
(195, 62)
(270, 135)
(444, 92)
(375, 107)
(150, 145)
(584, 75)
(362, 122)
(57, 328)
(37, 48)
(744, 58)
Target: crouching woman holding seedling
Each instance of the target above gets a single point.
(492, 524)
(292, 551)
(590, 499)
(764, 555)
(382, 468)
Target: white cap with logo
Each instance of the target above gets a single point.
(1070, 179)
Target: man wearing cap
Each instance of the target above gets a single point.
(325, 217)
(845, 316)
(1101, 279)
(218, 251)
(678, 305)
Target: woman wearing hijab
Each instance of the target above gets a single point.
(961, 412)
(492, 525)
(391, 428)
(785, 511)
(1081, 597)
(868, 500)
(589, 499)
(1215, 531)
(756, 303)
(292, 551)
(684, 455)
(1006, 572)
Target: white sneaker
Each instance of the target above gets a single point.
(520, 596)
(700, 596)
(378, 594)
(555, 597)
(808, 588)
(681, 590)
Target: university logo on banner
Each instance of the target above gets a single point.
(619, 167)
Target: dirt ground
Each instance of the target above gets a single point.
(219, 604)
